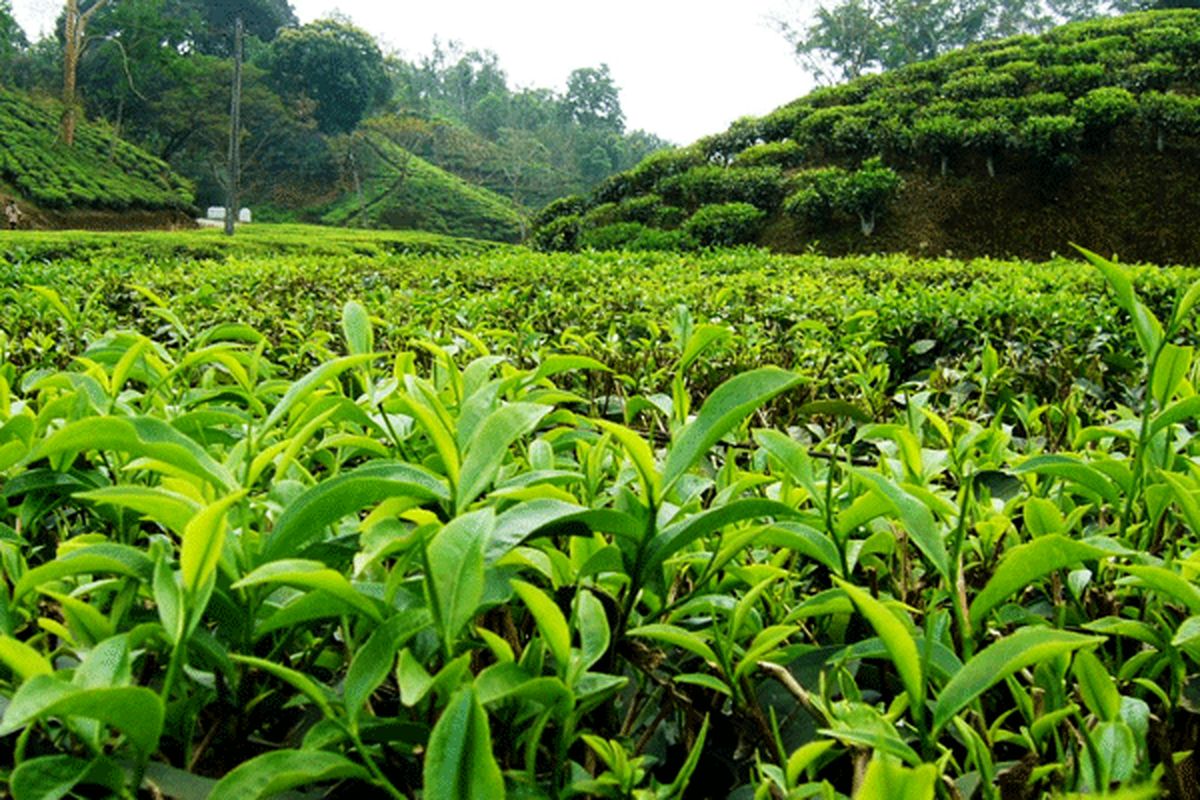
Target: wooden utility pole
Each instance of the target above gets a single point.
(74, 38)
(235, 130)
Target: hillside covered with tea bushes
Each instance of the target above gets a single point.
(1019, 146)
(101, 171)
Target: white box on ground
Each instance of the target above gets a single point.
(218, 213)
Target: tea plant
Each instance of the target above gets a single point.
(472, 565)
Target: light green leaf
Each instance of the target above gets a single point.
(1097, 687)
(995, 663)
(133, 710)
(725, 409)
(1168, 583)
(373, 661)
(897, 639)
(23, 660)
(1174, 364)
(145, 437)
(273, 773)
(170, 509)
(53, 777)
(315, 576)
(678, 637)
(489, 447)
(640, 453)
(317, 693)
(459, 764)
(203, 541)
(309, 384)
(917, 519)
(356, 329)
(456, 580)
(1028, 563)
(550, 621)
(117, 559)
(305, 519)
(885, 779)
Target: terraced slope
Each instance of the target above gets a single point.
(1013, 147)
(401, 190)
(100, 172)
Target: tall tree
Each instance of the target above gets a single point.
(75, 22)
(336, 65)
(12, 39)
(593, 100)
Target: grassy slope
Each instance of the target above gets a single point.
(1130, 184)
(423, 198)
(99, 172)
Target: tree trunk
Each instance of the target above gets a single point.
(235, 130)
(71, 41)
(74, 37)
(991, 166)
(868, 223)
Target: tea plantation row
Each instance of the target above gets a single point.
(503, 524)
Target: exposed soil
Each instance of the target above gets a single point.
(1124, 198)
(92, 219)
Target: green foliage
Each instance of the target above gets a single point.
(725, 224)
(400, 190)
(761, 187)
(335, 65)
(863, 193)
(1052, 139)
(100, 171)
(498, 552)
(1103, 109)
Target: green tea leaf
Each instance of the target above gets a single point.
(456, 580)
(305, 518)
(459, 764)
(116, 559)
(725, 409)
(995, 663)
(145, 437)
(315, 576)
(489, 447)
(1097, 687)
(1028, 563)
(899, 642)
(23, 660)
(373, 661)
(550, 621)
(53, 777)
(203, 541)
(356, 328)
(273, 773)
(308, 385)
(896, 782)
(1174, 364)
(136, 712)
(916, 517)
(170, 509)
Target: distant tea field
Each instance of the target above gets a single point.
(346, 514)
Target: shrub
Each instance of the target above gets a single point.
(572, 205)
(1103, 109)
(1164, 113)
(988, 136)
(863, 193)
(815, 199)
(785, 154)
(866, 192)
(610, 237)
(725, 224)
(939, 136)
(560, 234)
(700, 186)
(600, 216)
(1052, 139)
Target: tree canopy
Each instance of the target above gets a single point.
(336, 65)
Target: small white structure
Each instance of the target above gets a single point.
(217, 214)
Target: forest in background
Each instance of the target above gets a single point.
(159, 71)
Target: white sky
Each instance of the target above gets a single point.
(686, 68)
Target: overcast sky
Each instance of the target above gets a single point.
(686, 68)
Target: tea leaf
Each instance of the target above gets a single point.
(136, 712)
(901, 646)
(273, 773)
(995, 663)
(724, 410)
(203, 541)
(459, 764)
(489, 447)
